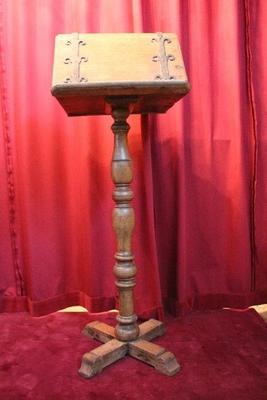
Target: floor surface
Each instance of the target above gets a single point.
(223, 355)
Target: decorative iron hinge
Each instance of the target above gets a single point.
(75, 59)
(163, 58)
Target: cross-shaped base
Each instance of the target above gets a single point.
(113, 349)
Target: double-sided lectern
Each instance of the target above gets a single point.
(119, 74)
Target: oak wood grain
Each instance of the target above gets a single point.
(90, 67)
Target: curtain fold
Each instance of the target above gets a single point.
(200, 173)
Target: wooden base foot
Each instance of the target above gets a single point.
(112, 350)
(154, 355)
(101, 357)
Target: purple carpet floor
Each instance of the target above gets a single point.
(223, 355)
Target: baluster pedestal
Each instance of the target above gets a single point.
(127, 337)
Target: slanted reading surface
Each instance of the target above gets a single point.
(89, 67)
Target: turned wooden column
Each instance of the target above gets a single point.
(123, 220)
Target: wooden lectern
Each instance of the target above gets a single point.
(119, 74)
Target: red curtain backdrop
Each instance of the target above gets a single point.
(200, 172)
